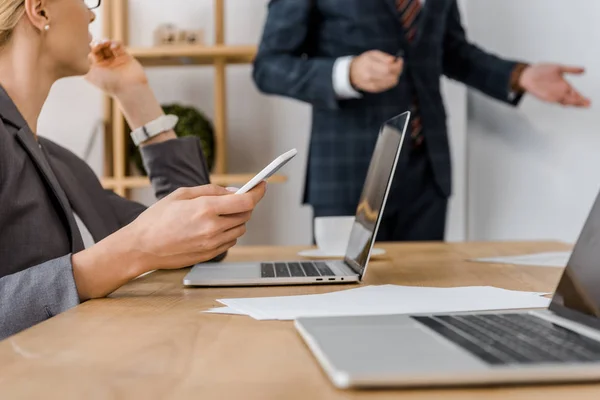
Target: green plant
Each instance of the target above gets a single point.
(192, 122)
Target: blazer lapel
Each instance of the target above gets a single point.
(25, 137)
(391, 4)
(393, 7)
(79, 200)
(422, 22)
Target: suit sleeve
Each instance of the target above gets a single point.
(282, 68)
(467, 63)
(36, 294)
(174, 164)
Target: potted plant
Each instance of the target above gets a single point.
(192, 122)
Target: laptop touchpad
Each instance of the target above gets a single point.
(389, 348)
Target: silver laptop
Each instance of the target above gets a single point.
(559, 344)
(368, 216)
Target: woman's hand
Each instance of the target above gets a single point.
(121, 76)
(189, 226)
(113, 70)
(192, 225)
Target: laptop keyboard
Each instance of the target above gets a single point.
(294, 269)
(502, 339)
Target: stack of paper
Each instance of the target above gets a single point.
(382, 300)
(555, 259)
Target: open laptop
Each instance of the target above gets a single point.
(364, 231)
(559, 344)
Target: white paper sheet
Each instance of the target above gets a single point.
(554, 259)
(223, 310)
(387, 299)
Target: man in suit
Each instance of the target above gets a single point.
(360, 63)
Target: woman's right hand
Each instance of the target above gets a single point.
(191, 225)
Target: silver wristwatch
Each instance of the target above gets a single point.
(160, 125)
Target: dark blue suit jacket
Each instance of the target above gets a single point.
(303, 38)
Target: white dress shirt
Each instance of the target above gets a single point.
(341, 77)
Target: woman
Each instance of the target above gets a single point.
(63, 239)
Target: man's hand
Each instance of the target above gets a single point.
(375, 71)
(547, 82)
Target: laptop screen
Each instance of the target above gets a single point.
(375, 191)
(579, 287)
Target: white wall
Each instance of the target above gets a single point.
(455, 96)
(456, 104)
(534, 172)
(78, 104)
(260, 127)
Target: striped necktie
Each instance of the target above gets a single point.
(409, 16)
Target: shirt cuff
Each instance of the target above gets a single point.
(341, 79)
(516, 91)
(515, 78)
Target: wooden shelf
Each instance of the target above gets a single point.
(193, 54)
(219, 56)
(136, 182)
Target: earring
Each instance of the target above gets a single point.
(47, 27)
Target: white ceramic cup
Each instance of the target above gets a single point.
(333, 233)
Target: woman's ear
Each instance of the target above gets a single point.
(37, 13)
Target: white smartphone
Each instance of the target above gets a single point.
(269, 171)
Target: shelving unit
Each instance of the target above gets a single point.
(193, 55)
(219, 55)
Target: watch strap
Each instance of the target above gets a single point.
(160, 125)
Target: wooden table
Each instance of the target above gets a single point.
(150, 341)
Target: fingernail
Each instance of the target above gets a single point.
(232, 189)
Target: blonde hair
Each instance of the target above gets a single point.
(11, 12)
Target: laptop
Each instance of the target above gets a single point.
(364, 231)
(561, 343)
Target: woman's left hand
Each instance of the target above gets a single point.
(113, 69)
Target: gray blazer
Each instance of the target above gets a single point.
(38, 233)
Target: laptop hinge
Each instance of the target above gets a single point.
(349, 265)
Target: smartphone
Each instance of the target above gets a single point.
(269, 171)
